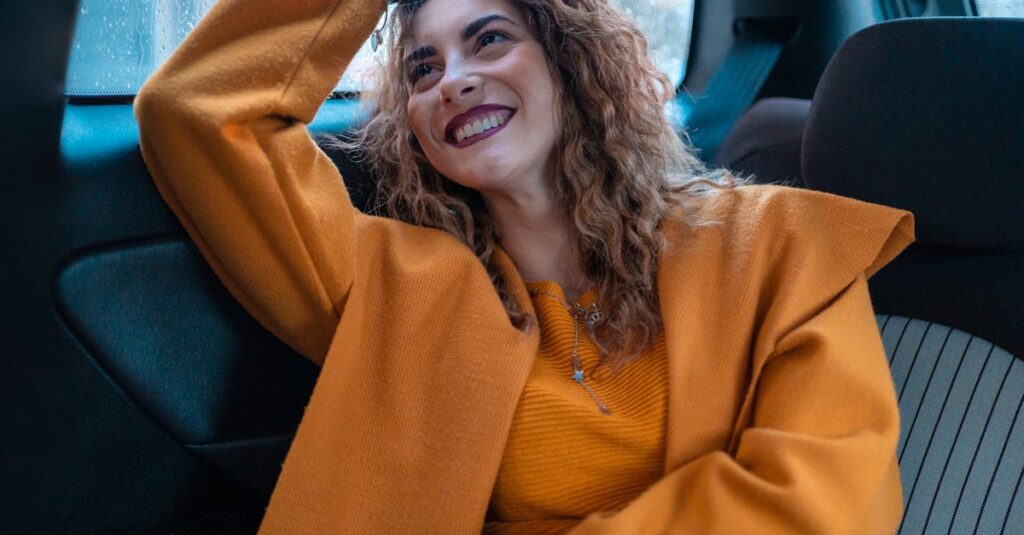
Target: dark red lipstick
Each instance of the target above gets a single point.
(469, 116)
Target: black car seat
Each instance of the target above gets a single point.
(360, 182)
(927, 115)
(766, 142)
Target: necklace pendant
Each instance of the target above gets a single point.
(578, 376)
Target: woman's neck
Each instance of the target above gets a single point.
(536, 235)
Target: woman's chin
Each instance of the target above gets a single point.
(481, 181)
(488, 175)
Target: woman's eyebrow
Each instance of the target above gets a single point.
(479, 23)
(420, 53)
(469, 31)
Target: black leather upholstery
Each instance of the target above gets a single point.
(76, 456)
(155, 318)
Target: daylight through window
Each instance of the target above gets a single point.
(118, 43)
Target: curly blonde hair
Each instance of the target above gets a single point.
(620, 169)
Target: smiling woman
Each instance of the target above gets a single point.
(491, 69)
(574, 126)
(566, 323)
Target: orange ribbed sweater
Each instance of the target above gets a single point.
(781, 415)
(565, 459)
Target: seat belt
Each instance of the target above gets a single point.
(709, 117)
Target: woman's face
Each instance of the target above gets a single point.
(482, 98)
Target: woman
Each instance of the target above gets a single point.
(565, 323)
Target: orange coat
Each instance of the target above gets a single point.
(782, 416)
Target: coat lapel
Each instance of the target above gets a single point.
(700, 320)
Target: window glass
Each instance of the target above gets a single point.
(118, 43)
(1000, 8)
(667, 25)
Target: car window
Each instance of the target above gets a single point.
(894, 9)
(1000, 8)
(118, 43)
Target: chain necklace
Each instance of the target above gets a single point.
(590, 315)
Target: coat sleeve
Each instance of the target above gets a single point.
(223, 132)
(814, 446)
(819, 456)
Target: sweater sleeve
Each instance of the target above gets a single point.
(223, 132)
(813, 448)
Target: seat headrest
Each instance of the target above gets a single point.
(927, 115)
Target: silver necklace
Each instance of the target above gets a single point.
(590, 315)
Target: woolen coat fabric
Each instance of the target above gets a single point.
(782, 416)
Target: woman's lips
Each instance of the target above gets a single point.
(475, 114)
(482, 135)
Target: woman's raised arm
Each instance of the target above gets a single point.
(223, 131)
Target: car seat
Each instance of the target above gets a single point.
(927, 115)
(766, 142)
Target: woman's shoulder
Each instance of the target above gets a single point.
(394, 254)
(768, 223)
(775, 251)
(785, 206)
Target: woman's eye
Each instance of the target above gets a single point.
(490, 38)
(420, 71)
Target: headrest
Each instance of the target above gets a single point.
(767, 141)
(927, 115)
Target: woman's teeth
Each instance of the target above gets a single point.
(481, 124)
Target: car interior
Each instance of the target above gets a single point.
(142, 398)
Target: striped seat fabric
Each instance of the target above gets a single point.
(961, 448)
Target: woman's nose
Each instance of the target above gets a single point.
(456, 86)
